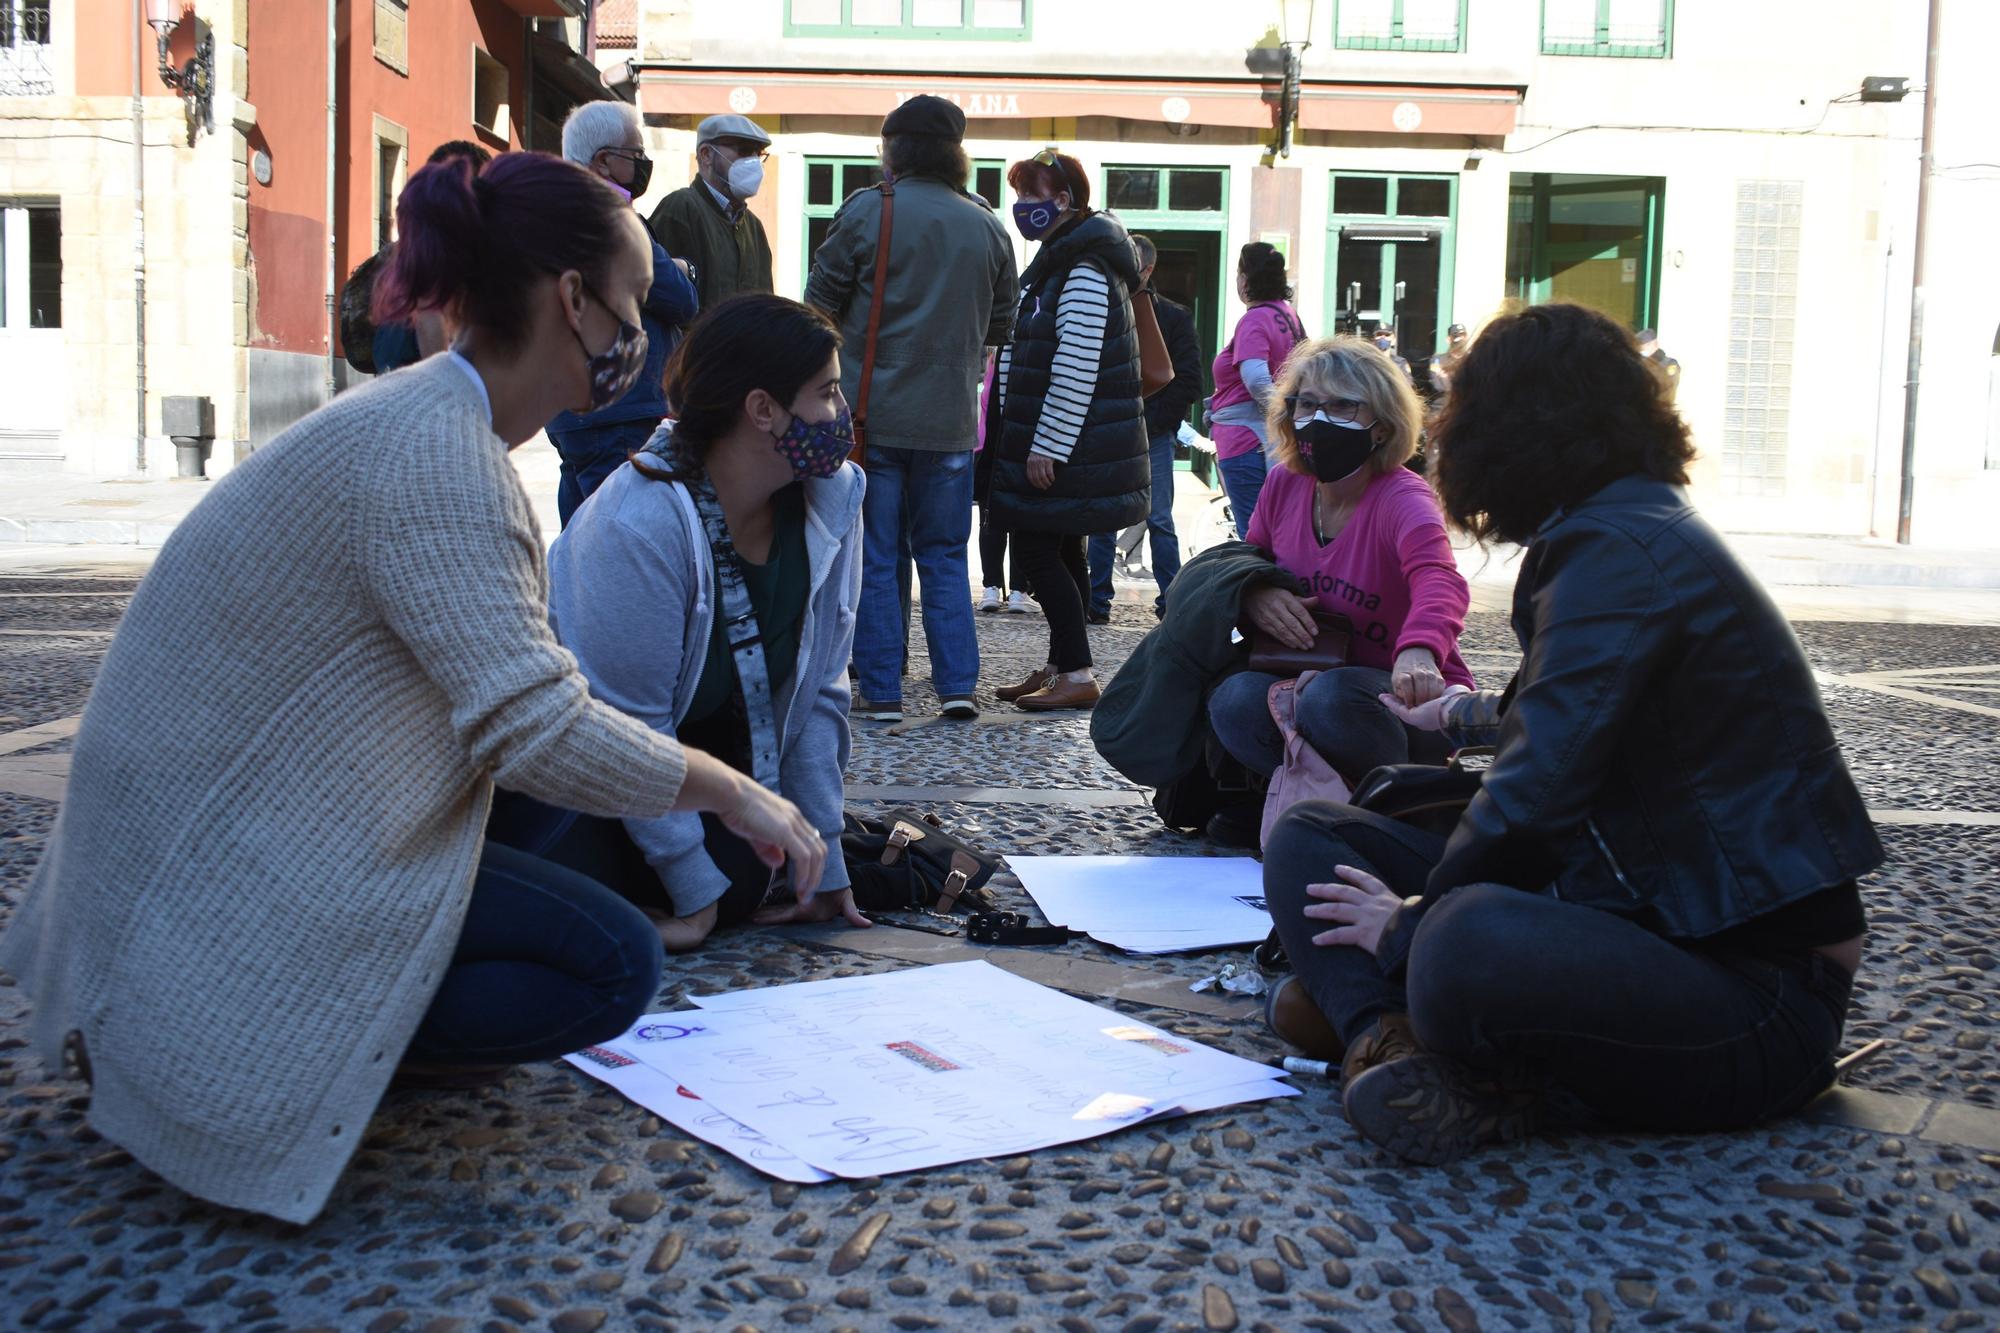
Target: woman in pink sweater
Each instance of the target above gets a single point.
(1365, 538)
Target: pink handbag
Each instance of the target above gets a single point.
(1302, 775)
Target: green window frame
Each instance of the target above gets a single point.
(1194, 201)
(967, 29)
(829, 180)
(1392, 218)
(1602, 43)
(1398, 37)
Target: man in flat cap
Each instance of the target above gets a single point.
(709, 223)
(949, 294)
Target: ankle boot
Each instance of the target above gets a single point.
(1292, 1015)
(1426, 1108)
(1037, 678)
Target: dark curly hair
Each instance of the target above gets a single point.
(1552, 404)
(1263, 268)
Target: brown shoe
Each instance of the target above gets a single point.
(1037, 678)
(1292, 1015)
(1425, 1108)
(1059, 694)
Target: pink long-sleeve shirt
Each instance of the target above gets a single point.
(1390, 570)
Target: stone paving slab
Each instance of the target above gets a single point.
(549, 1202)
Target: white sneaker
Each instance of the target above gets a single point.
(989, 601)
(1018, 603)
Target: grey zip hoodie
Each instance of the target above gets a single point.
(632, 594)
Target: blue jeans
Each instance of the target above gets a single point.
(932, 492)
(1649, 1032)
(1166, 545)
(589, 456)
(548, 961)
(1339, 714)
(1243, 482)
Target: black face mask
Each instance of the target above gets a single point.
(1335, 450)
(642, 175)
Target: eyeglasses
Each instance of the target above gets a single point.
(633, 154)
(1304, 408)
(742, 149)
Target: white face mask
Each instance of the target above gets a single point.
(746, 177)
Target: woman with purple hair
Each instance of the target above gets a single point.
(269, 888)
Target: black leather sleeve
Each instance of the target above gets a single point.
(1602, 618)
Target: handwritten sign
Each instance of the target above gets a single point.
(909, 1070)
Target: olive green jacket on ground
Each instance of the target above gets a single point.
(729, 258)
(951, 293)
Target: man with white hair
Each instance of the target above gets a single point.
(710, 221)
(606, 138)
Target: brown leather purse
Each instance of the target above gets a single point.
(1156, 364)
(1329, 648)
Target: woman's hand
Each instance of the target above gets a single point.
(1282, 614)
(819, 907)
(1041, 471)
(772, 825)
(1361, 906)
(1428, 716)
(1416, 679)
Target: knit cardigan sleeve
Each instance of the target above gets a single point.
(452, 559)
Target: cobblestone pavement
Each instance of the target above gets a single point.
(549, 1202)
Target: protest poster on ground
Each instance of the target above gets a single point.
(1151, 904)
(910, 1070)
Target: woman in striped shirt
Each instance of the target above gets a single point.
(1072, 454)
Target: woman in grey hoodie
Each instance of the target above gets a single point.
(708, 589)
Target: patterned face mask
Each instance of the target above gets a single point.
(615, 370)
(817, 448)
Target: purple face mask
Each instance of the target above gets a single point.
(615, 370)
(817, 448)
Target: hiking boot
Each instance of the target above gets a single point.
(1290, 1013)
(1426, 1108)
(1037, 678)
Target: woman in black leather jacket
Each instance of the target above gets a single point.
(1652, 899)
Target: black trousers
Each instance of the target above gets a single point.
(993, 556)
(1053, 565)
(1647, 1032)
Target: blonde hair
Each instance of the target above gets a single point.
(1350, 364)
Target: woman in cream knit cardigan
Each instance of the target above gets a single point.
(267, 886)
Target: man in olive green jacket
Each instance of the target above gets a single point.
(949, 295)
(709, 223)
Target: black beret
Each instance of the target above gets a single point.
(924, 114)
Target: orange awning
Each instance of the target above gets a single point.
(1358, 108)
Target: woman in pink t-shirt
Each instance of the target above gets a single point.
(1364, 537)
(1245, 369)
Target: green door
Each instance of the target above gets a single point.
(1394, 244)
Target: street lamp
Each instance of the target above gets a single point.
(194, 81)
(1296, 29)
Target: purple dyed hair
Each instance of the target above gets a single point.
(474, 244)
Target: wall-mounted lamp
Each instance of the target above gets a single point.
(1296, 17)
(194, 81)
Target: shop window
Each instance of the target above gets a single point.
(1164, 189)
(1643, 28)
(31, 267)
(929, 20)
(25, 67)
(1393, 240)
(1594, 240)
(491, 111)
(392, 34)
(1399, 25)
(829, 180)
